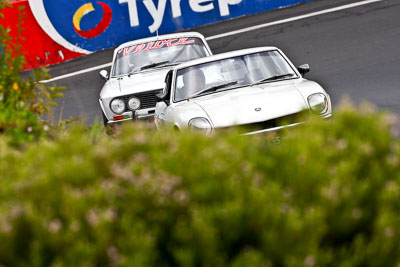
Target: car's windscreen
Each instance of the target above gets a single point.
(231, 73)
(157, 54)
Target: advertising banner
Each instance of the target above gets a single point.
(35, 44)
(85, 26)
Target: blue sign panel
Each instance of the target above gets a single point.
(86, 25)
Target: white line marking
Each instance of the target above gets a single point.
(76, 73)
(257, 27)
(313, 14)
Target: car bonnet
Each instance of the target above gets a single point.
(139, 82)
(252, 104)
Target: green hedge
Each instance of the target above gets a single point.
(328, 195)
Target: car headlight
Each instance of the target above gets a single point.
(200, 124)
(318, 103)
(134, 103)
(117, 106)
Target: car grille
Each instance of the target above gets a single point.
(148, 99)
(268, 124)
(281, 121)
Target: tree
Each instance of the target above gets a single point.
(23, 103)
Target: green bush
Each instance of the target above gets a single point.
(23, 103)
(328, 195)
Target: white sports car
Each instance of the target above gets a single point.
(258, 88)
(138, 71)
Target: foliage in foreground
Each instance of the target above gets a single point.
(23, 103)
(327, 196)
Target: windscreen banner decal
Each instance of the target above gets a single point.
(85, 25)
(134, 49)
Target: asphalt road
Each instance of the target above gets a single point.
(353, 52)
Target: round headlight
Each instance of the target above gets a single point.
(200, 124)
(134, 103)
(318, 103)
(117, 106)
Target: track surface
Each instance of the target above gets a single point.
(353, 52)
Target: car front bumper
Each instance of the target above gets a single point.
(147, 114)
(325, 116)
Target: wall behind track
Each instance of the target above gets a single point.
(39, 48)
(70, 28)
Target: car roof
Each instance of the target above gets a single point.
(225, 56)
(161, 37)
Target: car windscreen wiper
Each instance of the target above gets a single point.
(174, 63)
(273, 78)
(213, 88)
(134, 71)
(155, 64)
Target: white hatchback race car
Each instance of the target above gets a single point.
(258, 88)
(138, 72)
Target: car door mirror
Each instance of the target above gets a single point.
(303, 69)
(104, 74)
(161, 107)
